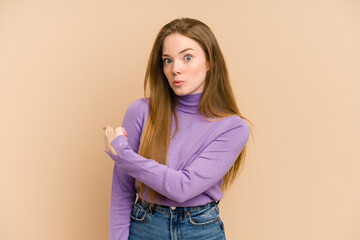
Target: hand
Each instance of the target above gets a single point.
(110, 135)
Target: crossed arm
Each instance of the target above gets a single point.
(205, 170)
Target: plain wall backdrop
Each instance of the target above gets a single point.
(69, 67)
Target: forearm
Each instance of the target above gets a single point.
(179, 185)
(122, 199)
(153, 174)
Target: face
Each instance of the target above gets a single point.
(184, 64)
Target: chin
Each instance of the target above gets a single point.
(180, 93)
(184, 91)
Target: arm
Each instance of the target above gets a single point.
(122, 199)
(123, 191)
(208, 168)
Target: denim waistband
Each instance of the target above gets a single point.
(168, 209)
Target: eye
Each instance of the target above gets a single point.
(188, 58)
(167, 60)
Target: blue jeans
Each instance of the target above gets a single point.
(182, 223)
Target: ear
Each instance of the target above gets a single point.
(207, 65)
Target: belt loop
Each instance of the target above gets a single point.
(148, 207)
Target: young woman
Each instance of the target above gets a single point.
(179, 148)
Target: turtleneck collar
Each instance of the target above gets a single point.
(189, 103)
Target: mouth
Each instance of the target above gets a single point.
(178, 83)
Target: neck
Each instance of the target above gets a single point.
(189, 103)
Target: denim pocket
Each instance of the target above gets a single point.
(138, 213)
(204, 217)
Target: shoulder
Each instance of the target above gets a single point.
(134, 121)
(138, 108)
(233, 122)
(229, 134)
(137, 112)
(139, 104)
(233, 125)
(238, 122)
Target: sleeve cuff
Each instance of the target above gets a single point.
(116, 143)
(119, 141)
(112, 156)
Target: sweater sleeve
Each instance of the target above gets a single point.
(208, 167)
(123, 190)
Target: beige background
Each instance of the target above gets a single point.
(69, 67)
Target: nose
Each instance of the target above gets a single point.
(176, 67)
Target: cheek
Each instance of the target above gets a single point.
(199, 70)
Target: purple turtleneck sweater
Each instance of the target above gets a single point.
(199, 156)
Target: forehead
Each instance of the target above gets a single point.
(175, 43)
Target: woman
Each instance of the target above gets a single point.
(182, 146)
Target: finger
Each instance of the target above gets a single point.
(105, 127)
(109, 147)
(125, 133)
(109, 131)
(119, 131)
(110, 135)
(107, 144)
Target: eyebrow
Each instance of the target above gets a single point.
(186, 49)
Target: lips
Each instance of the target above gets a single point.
(178, 83)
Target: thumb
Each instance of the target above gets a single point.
(119, 131)
(109, 131)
